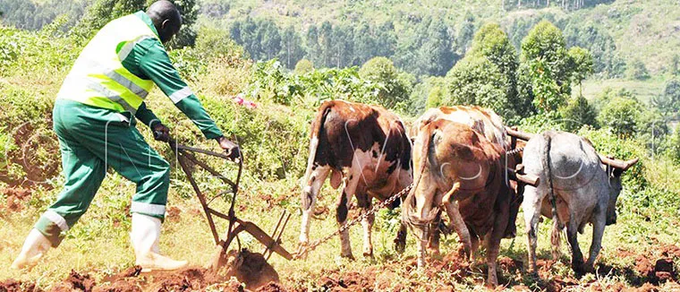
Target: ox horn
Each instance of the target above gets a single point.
(617, 163)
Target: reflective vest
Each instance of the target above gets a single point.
(98, 77)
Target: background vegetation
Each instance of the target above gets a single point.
(607, 70)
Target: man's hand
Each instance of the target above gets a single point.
(161, 132)
(231, 148)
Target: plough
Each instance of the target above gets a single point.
(185, 155)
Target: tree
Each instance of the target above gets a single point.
(364, 44)
(637, 70)
(435, 98)
(492, 43)
(478, 81)
(621, 115)
(547, 63)
(343, 48)
(291, 47)
(465, 33)
(304, 66)
(326, 43)
(385, 40)
(103, 11)
(187, 34)
(581, 65)
(270, 38)
(394, 89)
(435, 55)
(669, 101)
(313, 48)
(577, 113)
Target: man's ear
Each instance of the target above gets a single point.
(165, 24)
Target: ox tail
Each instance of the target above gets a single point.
(316, 131)
(557, 227)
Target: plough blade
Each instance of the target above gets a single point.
(265, 239)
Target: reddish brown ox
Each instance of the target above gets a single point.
(367, 148)
(487, 123)
(453, 162)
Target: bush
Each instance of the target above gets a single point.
(381, 71)
(637, 70)
(578, 113)
(621, 115)
(304, 66)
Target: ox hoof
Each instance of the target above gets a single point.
(399, 246)
(348, 256)
(368, 254)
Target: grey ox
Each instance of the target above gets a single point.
(578, 183)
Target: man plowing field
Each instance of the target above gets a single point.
(94, 117)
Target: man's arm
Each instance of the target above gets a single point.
(156, 65)
(146, 116)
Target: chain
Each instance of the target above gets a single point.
(307, 248)
(514, 151)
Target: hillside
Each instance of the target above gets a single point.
(406, 56)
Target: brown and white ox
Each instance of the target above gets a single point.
(368, 150)
(454, 162)
(579, 184)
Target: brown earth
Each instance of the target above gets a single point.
(16, 198)
(247, 271)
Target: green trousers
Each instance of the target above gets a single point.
(92, 139)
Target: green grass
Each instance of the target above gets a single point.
(644, 90)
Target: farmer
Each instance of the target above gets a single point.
(95, 116)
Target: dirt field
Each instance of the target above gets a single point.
(249, 272)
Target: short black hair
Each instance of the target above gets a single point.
(163, 10)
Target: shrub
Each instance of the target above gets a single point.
(304, 66)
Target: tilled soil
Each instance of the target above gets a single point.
(248, 271)
(245, 271)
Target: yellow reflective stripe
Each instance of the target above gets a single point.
(127, 83)
(112, 95)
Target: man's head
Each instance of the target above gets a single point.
(166, 18)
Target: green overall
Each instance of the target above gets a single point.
(95, 116)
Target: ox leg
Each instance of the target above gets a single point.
(342, 212)
(576, 255)
(492, 242)
(309, 193)
(400, 240)
(367, 223)
(433, 242)
(532, 213)
(459, 226)
(596, 244)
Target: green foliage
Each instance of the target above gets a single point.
(547, 63)
(33, 15)
(606, 60)
(271, 82)
(418, 102)
(304, 66)
(435, 98)
(381, 71)
(580, 63)
(478, 81)
(669, 101)
(578, 113)
(187, 33)
(101, 12)
(621, 114)
(637, 70)
(291, 47)
(492, 81)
